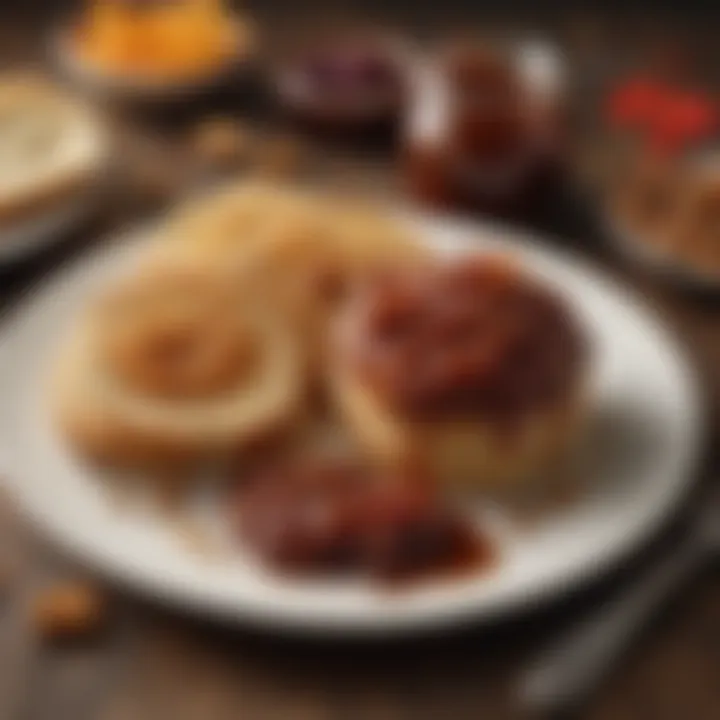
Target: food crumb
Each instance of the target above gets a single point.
(194, 538)
(222, 142)
(170, 491)
(68, 611)
(281, 156)
(155, 180)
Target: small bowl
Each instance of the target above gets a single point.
(664, 262)
(659, 262)
(131, 88)
(313, 83)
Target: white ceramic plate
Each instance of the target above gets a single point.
(642, 446)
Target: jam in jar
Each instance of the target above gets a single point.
(482, 125)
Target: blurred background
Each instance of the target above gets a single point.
(147, 662)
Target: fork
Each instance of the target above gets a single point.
(566, 672)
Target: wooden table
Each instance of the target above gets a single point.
(156, 665)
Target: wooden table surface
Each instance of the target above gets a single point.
(153, 664)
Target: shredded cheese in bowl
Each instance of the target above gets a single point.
(158, 41)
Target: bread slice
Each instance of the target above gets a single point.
(466, 445)
(109, 416)
(471, 454)
(51, 146)
(297, 249)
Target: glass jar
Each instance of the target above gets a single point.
(482, 125)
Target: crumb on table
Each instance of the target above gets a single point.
(281, 156)
(222, 142)
(69, 610)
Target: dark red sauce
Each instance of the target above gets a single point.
(483, 342)
(323, 516)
